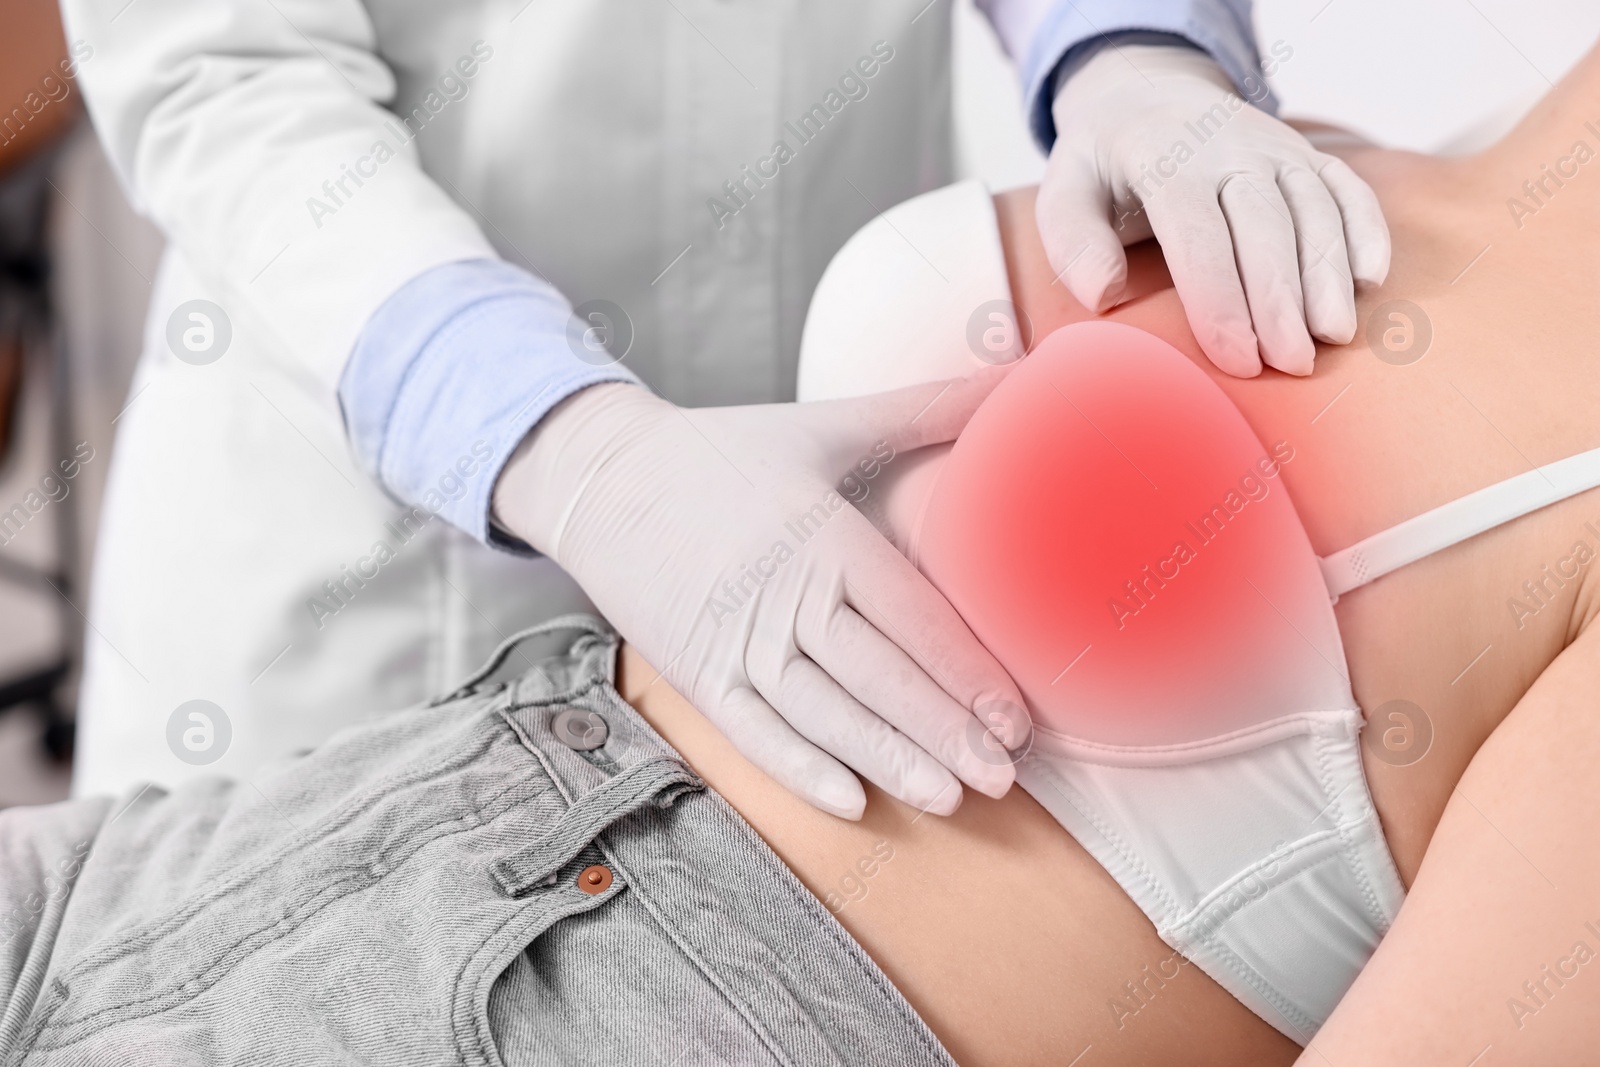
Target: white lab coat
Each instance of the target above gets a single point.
(586, 143)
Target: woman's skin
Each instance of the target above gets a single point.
(1015, 945)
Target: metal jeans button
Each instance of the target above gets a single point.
(595, 880)
(580, 730)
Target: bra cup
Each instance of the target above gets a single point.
(1112, 529)
(897, 304)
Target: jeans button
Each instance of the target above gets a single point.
(580, 730)
(594, 880)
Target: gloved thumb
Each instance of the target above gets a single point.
(903, 419)
(1074, 216)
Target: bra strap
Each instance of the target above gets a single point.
(1458, 520)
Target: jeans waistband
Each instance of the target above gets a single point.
(360, 904)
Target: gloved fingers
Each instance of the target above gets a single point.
(1133, 225)
(888, 682)
(878, 426)
(1198, 247)
(1325, 280)
(1365, 231)
(822, 712)
(769, 742)
(1073, 212)
(1269, 265)
(895, 599)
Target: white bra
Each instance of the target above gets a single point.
(1256, 852)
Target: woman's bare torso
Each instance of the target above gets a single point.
(1013, 944)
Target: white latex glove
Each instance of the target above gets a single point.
(1263, 234)
(843, 653)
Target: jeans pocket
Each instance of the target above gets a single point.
(569, 891)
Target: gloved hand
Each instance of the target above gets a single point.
(715, 540)
(1263, 234)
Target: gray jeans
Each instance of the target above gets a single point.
(521, 873)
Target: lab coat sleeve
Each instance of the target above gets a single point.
(1041, 35)
(437, 437)
(237, 128)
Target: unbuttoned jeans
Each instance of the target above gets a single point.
(520, 873)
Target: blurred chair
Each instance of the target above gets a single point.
(75, 269)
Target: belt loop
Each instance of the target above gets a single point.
(659, 780)
(583, 623)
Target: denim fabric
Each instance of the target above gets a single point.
(409, 894)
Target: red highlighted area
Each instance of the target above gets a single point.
(1113, 531)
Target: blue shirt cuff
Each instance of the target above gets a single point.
(1075, 28)
(449, 375)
